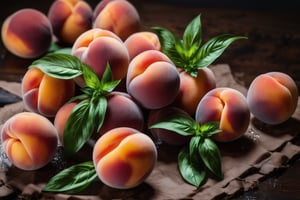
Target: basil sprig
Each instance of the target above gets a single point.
(187, 53)
(202, 154)
(73, 179)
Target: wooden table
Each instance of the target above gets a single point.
(273, 44)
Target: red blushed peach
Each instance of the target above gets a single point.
(44, 94)
(61, 118)
(97, 48)
(118, 16)
(163, 135)
(69, 19)
(192, 89)
(152, 79)
(141, 41)
(121, 111)
(124, 157)
(29, 140)
(230, 108)
(27, 33)
(272, 97)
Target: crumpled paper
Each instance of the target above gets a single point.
(245, 162)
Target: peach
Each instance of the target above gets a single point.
(124, 157)
(27, 33)
(118, 16)
(29, 140)
(192, 89)
(227, 106)
(163, 135)
(69, 19)
(152, 79)
(121, 111)
(141, 41)
(97, 48)
(44, 94)
(273, 97)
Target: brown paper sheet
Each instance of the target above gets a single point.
(245, 162)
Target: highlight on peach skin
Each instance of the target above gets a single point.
(29, 140)
(152, 79)
(44, 94)
(227, 106)
(69, 19)
(118, 16)
(124, 157)
(27, 33)
(98, 47)
(163, 135)
(273, 97)
(140, 42)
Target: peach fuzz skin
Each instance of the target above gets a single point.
(227, 106)
(124, 157)
(152, 79)
(192, 89)
(140, 42)
(29, 140)
(97, 48)
(44, 94)
(118, 16)
(27, 33)
(273, 97)
(69, 19)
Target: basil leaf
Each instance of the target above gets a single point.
(193, 149)
(171, 45)
(79, 127)
(213, 48)
(90, 77)
(210, 128)
(183, 125)
(73, 179)
(192, 36)
(190, 172)
(211, 157)
(98, 107)
(108, 84)
(59, 65)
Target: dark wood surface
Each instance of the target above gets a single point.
(273, 44)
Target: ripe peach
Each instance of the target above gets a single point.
(230, 108)
(61, 118)
(97, 47)
(44, 94)
(192, 89)
(121, 111)
(27, 33)
(29, 140)
(164, 135)
(118, 16)
(152, 79)
(124, 157)
(141, 41)
(272, 97)
(69, 19)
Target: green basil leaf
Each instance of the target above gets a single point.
(210, 128)
(79, 127)
(192, 36)
(191, 173)
(194, 149)
(90, 77)
(213, 48)
(73, 179)
(211, 157)
(171, 45)
(59, 65)
(98, 107)
(181, 124)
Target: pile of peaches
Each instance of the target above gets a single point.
(121, 76)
